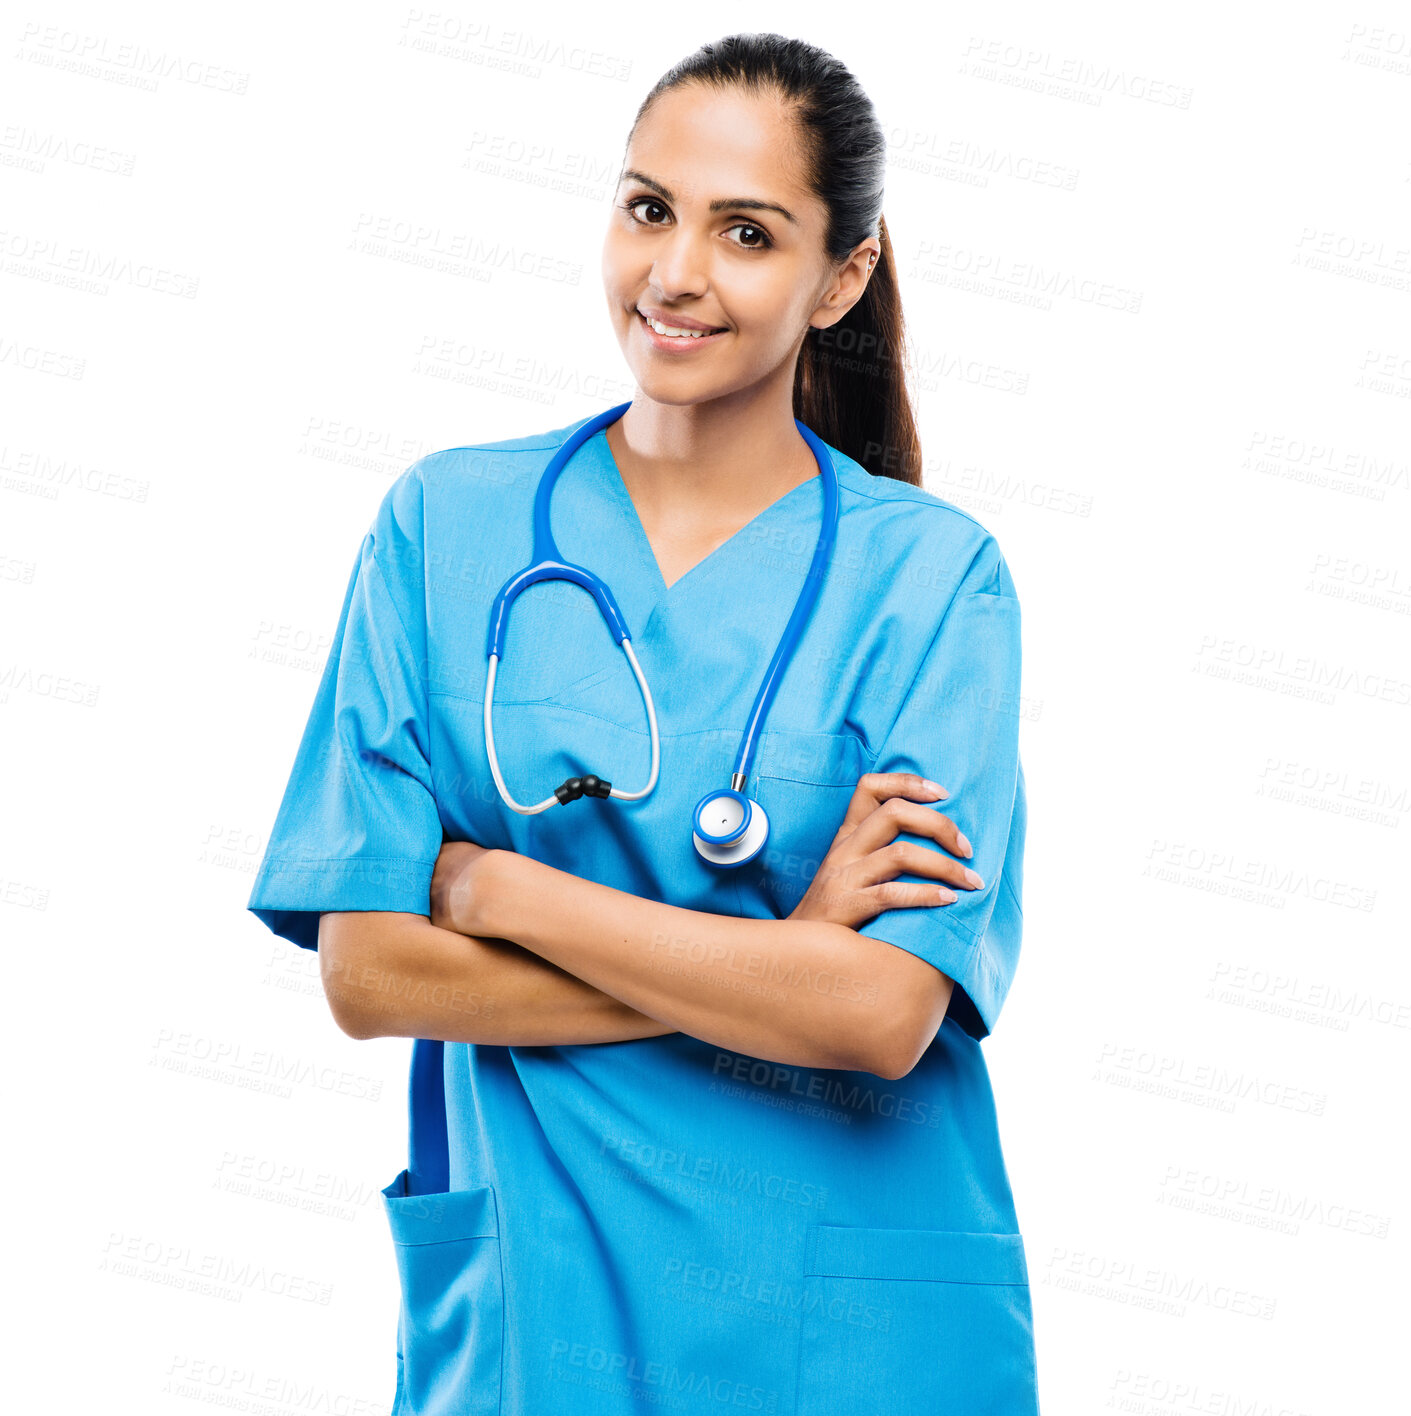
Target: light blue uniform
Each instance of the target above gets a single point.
(665, 1223)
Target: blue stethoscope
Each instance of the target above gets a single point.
(728, 827)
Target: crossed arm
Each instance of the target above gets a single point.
(556, 959)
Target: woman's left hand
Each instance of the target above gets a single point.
(459, 885)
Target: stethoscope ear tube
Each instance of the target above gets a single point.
(803, 606)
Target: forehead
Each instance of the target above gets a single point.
(703, 143)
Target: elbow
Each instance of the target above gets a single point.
(898, 1044)
(353, 1024)
(895, 1054)
(889, 1050)
(904, 1038)
(338, 968)
(914, 999)
(351, 1020)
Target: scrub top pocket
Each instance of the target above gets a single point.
(804, 781)
(450, 1337)
(913, 1321)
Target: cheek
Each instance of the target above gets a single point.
(770, 310)
(768, 338)
(619, 265)
(611, 267)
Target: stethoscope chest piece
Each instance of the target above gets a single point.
(730, 829)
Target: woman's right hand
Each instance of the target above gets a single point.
(857, 879)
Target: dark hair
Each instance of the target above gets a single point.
(850, 384)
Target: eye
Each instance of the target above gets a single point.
(640, 201)
(764, 242)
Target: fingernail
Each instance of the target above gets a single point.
(947, 896)
(965, 847)
(974, 879)
(935, 787)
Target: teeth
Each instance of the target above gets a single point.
(675, 333)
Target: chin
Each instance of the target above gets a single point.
(674, 392)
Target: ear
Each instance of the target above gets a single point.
(848, 284)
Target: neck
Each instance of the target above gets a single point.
(721, 460)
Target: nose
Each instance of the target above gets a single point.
(680, 266)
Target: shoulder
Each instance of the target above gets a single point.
(448, 476)
(926, 539)
(467, 457)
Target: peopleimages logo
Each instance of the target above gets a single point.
(736, 1179)
(849, 1091)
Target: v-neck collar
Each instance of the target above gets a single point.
(661, 590)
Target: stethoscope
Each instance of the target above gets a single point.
(728, 828)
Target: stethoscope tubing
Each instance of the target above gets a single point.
(552, 798)
(548, 564)
(803, 607)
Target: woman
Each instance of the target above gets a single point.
(699, 1135)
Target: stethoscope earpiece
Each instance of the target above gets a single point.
(730, 829)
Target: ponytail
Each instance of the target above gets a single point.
(850, 385)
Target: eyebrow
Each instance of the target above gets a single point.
(721, 204)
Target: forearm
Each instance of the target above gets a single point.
(398, 975)
(804, 994)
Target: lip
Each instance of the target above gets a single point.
(676, 321)
(671, 344)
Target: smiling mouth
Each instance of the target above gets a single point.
(669, 331)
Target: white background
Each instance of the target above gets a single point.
(1157, 273)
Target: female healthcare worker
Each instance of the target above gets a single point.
(700, 1118)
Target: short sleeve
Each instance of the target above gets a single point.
(958, 724)
(358, 827)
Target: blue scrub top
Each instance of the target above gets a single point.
(664, 1220)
